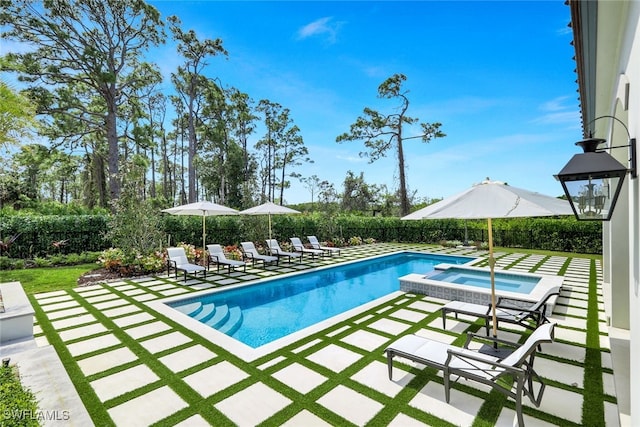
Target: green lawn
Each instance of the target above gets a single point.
(47, 279)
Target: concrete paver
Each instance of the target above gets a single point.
(342, 400)
(107, 360)
(264, 403)
(334, 357)
(165, 342)
(187, 358)
(213, 379)
(124, 381)
(93, 344)
(147, 409)
(299, 377)
(137, 332)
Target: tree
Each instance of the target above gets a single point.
(282, 147)
(291, 152)
(17, 116)
(189, 81)
(358, 196)
(311, 183)
(84, 49)
(382, 132)
(271, 110)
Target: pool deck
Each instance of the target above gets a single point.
(135, 366)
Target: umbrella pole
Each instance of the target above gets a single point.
(204, 233)
(492, 263)
(269, 225)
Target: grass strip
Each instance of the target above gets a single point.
(593, 403)
(94, 407)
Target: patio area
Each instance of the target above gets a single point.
(133, 366)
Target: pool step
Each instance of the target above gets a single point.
(206, 312)
(219, 317)
(234, 321)
(191, 309)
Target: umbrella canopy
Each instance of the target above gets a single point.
(203, 209)
(493, 199)
(269, 208)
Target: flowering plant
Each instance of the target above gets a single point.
(233, 252)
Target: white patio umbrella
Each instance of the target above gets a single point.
(203, 209)
(269, 208)
(493, 199)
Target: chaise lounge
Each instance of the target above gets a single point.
(274, 249)
(509, 310)
(177, 260)
(249, 251)
(480, 366)
(315, 244)
(217, 256)
(299, 247)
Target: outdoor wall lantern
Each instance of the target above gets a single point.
(592, 180)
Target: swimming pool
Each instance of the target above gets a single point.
(266, 311)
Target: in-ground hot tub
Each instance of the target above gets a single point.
(473, 284)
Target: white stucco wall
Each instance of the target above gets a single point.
(629, 72)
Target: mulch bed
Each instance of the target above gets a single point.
(100, 275)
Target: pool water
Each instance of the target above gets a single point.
(481, 279)
(261, 313)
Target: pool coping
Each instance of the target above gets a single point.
(248, 353)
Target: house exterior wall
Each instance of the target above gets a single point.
(615, 91)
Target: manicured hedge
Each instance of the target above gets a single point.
(37, 234)
(53, 234)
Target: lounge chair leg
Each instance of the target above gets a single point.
(519, 390)
(447, 385)
(390, 364)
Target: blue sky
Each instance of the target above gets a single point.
(498, 75)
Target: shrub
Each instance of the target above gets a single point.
(337, 241)
(112, 259)
(16, 400)
(135, 227)
(132, 264)
(42, 262)
(369, 240)
(151, 263)
(451, 243)
(355, 241)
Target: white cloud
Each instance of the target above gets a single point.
(323, 27)
(555, 104)
(556, 111)
(351, 159)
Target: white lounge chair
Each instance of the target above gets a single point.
(476, 365)
(299, 247)
(217, 256)
(274, 249)
(315, 244)
(177, 260)
(509, 310)
(249, 251)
